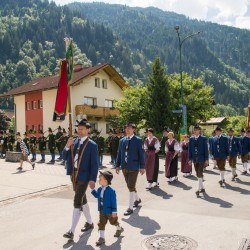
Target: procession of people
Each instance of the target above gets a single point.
(131, 155)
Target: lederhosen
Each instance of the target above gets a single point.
(198, 166)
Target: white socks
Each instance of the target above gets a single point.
(86, 213)
(214, 163)
(234, 171)
(245, 166)
(132, 196)
(75, 218)
(200, 184)
(149, 185)
(136, 196)
(222, 175)
(102, 234)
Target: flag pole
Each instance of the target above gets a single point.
(68, 41)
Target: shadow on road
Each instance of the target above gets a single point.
(80, 244)
(181, 185)
(237, 189)
(242, 182)
(207, 171)
(21, 171)
(147, 225)
(161, 193)
(218, 201)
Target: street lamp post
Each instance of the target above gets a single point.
(184, 108)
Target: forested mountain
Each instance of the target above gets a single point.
(32, 36)
(32, 33)
(220, 54)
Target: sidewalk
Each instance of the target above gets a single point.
(217, 221)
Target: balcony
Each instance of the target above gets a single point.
(95, 111)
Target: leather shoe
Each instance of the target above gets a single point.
(100, 241)
(87, 227)
(118, 232)
(128, 212)
(69, 235)
(136, 203)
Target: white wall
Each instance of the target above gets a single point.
(49, 99)
(20, 113)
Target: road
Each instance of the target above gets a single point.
(36, 207)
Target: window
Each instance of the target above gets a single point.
(93, 126)
(109, 103)
(40, 104)
(34, 105)
(108, 128)
(91, 101)
(97, 82)
(34, 128)
(27, 105)
(104, 84)
(40, 127)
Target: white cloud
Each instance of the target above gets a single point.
(230, 12)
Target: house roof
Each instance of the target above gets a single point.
(51, 82)
(8, 113)
(214, 120)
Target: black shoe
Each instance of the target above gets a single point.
(33, 165)
(136, 203)
(224, 181)
(20, 168)
(244, 172)
(118, 232)
(221, 183)
(100, 241)
(69, 235)
(62, 163)
(197, 193)
(128, 212)
(202, 190)
(87, 227)
(51, 162)
(41, 161)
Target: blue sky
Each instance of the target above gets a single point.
(229, 12)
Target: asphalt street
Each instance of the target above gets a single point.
(36, 207)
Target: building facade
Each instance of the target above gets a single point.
(93, 92)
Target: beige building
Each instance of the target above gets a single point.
(92, 94)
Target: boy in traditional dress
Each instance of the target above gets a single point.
(107, 206)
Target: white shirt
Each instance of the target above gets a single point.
(130, 137)
(176, 146)
(157, 143)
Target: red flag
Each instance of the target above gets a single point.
(62, 94)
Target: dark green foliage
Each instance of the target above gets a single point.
(4, 121)
(220, 54)
(159, 103)
(32, 33)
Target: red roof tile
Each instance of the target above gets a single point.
(51, 82)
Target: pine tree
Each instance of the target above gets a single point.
(159, 107)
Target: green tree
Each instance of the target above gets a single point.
(4, 121)
(198, 98)
(158, 106)
(132, 107)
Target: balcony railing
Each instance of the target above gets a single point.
(95, 111)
